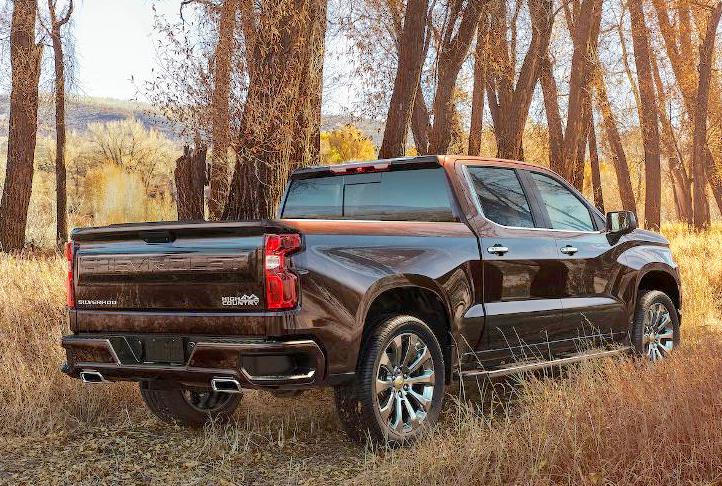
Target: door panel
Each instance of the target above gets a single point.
(591, 307)
(524, 310)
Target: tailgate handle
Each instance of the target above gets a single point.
(157, 236)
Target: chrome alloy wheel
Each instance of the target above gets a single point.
(206, 401)
(404, 383)
(658, 337)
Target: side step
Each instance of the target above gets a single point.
(538, 365)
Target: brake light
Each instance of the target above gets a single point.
(69, 287)
(361, 169)
(281, 283)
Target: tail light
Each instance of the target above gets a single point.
(281, 283)
(69, 287)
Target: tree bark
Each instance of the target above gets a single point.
(420, 123)
(190, 180)
(619, 158)
(411, 54)
(509, 102)
(648, 118)
(25, 57)
(681, 183)
(220, 108)
(452, 53)
(279, 128)
(706, 55)
(680, 53)
(594, 163)
(56, 24)
(477, 99)
(585, 33)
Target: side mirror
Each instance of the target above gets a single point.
(621, 222)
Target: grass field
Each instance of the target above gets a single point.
(610, 422)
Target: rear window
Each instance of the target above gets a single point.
(409, 195)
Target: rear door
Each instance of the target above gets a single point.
(522, 298)
(590, 266)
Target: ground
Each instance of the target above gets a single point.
(615, 421)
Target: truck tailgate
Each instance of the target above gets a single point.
(205, 267)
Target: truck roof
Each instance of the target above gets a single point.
(417, 161)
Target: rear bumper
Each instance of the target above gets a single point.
(254, 363)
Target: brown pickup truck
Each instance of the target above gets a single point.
(385, 280)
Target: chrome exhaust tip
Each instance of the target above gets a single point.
(226, 385)
(92, 377)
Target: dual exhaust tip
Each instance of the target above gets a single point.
(224, 385)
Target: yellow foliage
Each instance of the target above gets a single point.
(346, 143)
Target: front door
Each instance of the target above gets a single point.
(522, 295)
(589, 260)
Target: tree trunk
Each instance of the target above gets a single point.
(619, 158)
(220, 108)
(451, 57)
(56, 24)
(706, 55)
(420, 123)
(681, 183)
(25, 57)
(681, 59)
(594, 162)
(190, 180)
(477, 101)
(554, 119)
(509, 103)
(648, 118)
(586, 31)
(411, 54)
(279, 128)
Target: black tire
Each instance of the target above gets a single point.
(642, 327)
(192, 408)
(358, 404)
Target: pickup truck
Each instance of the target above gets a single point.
(385, 280)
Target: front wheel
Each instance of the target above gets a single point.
(400, 384)
(655, 331)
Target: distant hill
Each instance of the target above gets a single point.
(83, 111)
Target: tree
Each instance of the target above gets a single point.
(477, 100)
(220, 108)
(510, 95)
(281, 119)
(706, 54)
(411, 55)
(567, 146)
(647, 117)
(190, 179)
(25, 57)
(58, 20)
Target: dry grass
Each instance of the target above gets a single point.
(609, 422)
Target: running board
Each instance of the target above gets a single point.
(538, 365)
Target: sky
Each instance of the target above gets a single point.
(115, 54)
(114, 47)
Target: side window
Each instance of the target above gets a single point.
(407, 195)
(501, 196)
(314, 198)
(566, 211)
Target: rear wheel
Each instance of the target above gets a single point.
(189, 407)
(655, 332)
(400, 384)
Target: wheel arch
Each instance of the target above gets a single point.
(660, 278)
(413, 295)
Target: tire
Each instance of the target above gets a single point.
(409, 381)
(189, 407)
(655, 330)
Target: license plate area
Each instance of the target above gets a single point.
(166, 350)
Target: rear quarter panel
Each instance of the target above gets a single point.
(347, 264)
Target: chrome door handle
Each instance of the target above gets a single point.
(569, 250)
(498, 250)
